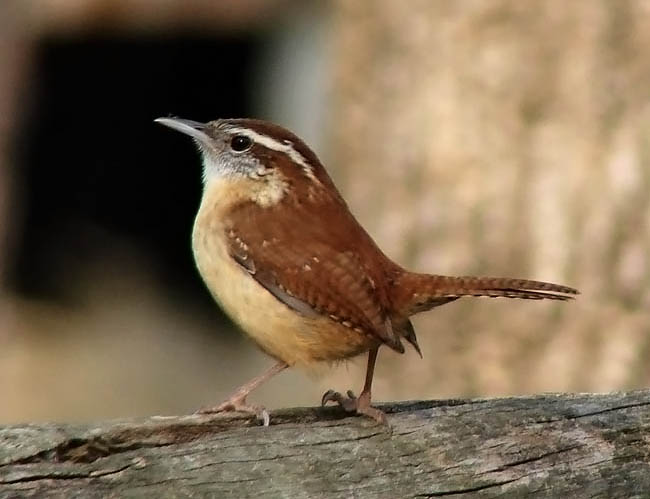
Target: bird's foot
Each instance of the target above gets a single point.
(237, 403)
(357, 405)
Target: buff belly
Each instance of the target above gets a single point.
(278, 330)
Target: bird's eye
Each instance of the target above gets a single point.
(239, 143)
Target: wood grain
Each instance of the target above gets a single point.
(572, 445)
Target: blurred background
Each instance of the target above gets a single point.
(469, 137)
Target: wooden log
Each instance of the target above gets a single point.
(571, 445)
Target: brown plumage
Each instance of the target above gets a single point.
(279, 249)
(311, 246)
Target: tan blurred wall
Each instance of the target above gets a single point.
(509, 138)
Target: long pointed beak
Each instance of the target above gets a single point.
(192, 128)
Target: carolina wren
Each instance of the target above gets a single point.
(281, 253)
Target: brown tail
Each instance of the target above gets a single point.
(416, 293)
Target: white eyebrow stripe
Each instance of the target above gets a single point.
(271, 143)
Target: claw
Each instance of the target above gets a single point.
(328, 396)
(351, 403)
(264, 416)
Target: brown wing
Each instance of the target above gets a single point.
(311, 269)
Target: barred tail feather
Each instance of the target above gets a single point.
(416, 293)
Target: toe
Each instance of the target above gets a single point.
(229, 405)
(329, 396)
(211, 410)
(349, 403)
(373, 413)
(238, 404)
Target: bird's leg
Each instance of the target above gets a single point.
(237, 400)
(360, 404)
(363, 402)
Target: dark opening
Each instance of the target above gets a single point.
(92, 165)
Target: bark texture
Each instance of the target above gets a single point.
(581, 445)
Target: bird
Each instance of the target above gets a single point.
(282, 254)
